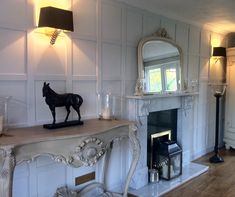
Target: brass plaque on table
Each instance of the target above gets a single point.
(84, 178)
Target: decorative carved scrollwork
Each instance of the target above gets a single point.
(65, 192)
(89, 151)
(161, 32)
(139, 89)
(56, 158)
(9, 163)
(7, 156)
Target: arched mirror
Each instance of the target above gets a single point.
(159, 65)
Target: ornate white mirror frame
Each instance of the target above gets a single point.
(160, 35)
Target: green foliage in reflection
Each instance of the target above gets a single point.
(155, 80)
(171, 83)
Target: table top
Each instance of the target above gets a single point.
(27, 135)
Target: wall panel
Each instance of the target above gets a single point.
(111, 23)
(169, 25)
(17, 108)
(205, 50)
(12, 52)
(13, 14)
(85, 18)
(100, 56)
(194, 40)
(131, 70)
(111, 61)
(134, 27)
(84, 58)
(151, 23)
(87, 90)
(48, 59)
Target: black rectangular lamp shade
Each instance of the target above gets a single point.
(56, 18)
(219, 51)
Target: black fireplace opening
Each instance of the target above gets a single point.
(161, 127)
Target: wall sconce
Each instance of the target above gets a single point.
(219, 51)
(56, 18)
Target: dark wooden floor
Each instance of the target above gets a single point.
(219, 181)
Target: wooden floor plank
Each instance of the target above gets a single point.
(219, 181)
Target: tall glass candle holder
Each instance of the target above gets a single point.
(4, 101)
(108, 106)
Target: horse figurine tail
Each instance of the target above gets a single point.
(80, 100)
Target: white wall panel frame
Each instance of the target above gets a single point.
(170, 26)
(134, 27)
(205, 50)
(111, 20)
(151, 23)
(194, 41)
(85, 19)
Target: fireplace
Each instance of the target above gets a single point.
(163, 153)
(180, 110)
(161, 127)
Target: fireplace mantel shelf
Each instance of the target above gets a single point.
(162, 95)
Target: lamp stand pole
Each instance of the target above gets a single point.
(217, 158)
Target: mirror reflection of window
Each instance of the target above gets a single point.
(155, 80)
(161, 61)
(162, 77)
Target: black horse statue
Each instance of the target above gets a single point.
(54, 100)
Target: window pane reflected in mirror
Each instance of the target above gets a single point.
(162, 77)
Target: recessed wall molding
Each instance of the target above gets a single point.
(84, 77)
(50, 77)
(83, 37)
(13, 77)
(113, 78)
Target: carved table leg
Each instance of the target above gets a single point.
(6, 171)
(135, 144)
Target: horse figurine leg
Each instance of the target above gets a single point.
(68, 112)
(52, 108)
(77, 109)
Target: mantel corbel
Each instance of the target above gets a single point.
(187, 102)
(143, 107)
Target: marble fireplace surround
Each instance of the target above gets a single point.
(138, 109)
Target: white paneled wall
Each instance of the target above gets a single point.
(100, 55)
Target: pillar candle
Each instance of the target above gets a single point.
(1, 124)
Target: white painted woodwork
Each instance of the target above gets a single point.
(88, 90)
(134, 27)
(84, 58)
(131, 70)
(194, 40)
(151, 23)
(99, 56)
(111, 17)
(85, 14)
(229, 133)
(199, 13)
(111, 61)
(169, 25)
(13, 14)
(18, 39)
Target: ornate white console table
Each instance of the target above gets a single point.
(74, 146)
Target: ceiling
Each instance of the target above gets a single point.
(216, 15)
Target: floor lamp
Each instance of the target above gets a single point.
(217, 158)
(218, 90)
